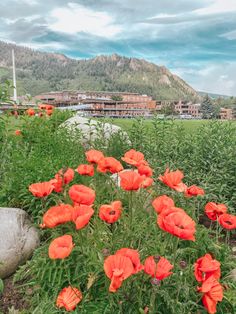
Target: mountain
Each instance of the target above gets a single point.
(39, 72)
(213, 96)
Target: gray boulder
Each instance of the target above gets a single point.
(18, 239)
(91, 129)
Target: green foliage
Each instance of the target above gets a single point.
(208, 109)
(39, 72)
(5, 92)
(205, 156)
(117, 98)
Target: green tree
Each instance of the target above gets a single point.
(208, 110)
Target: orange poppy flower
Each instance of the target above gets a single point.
(42, 106)
(174, 180)
(175, 221)
(118, 268)
(206, 267)
(57, 184)
(86, 170)
(147, 181)
(213, 210)
(159, 269)
(227, 221)
(109, 164)
(134, 158)
(67, 175)
(145, 170)
(30, 112)
(81, 194)
(110, 213)
(134, 257)
(49, 107)
(162, 202)
(49, 112)
(57, 215)
(131, 180)
(194, 190)
(41, 189)
(68, 298)
(18, 132)
(81, 215)
(93, 156)
(213, 293)
(60, 247)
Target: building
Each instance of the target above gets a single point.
(188, 108)
(227, 113)
(112, 104)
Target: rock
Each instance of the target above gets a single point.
(92, 129)
(18, 239)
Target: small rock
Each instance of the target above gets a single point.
(18, 239)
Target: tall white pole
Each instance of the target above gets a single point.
(14, 76)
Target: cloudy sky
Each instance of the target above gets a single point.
(195, 39)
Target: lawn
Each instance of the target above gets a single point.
(166, 237)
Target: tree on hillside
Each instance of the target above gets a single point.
(208, 110)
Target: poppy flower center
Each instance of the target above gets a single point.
(112, 212)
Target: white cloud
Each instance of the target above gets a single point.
(215, 78)
(230, 35)
(76, 18)
(217, 6)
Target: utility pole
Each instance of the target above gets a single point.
(14, 76)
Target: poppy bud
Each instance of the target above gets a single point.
(156, 258)
(105, 252)
(155, 282)
(183, 264)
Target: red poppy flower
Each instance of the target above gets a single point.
(49, 107)
(134, 257)
(42, 106)
(206, 267)
(147, 181)
(109, 164)
(194, 190)
(174, 180)
(30, 112)
(162, 202)
(18, 132)
(67, 175)
(82, 215)
(93, 156)
(213, 293)
(110, 213)
(49, 112)
(227, 221)
(118, 268)
(130, 180)
(134, 158)
(158, 269)
(57, 184)
(145, 170)
(175, 221)
(60, 247)
(57, 215)
(86, 170)
(213, 210)
(68, 298)
(41, 189)
(82, 194)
